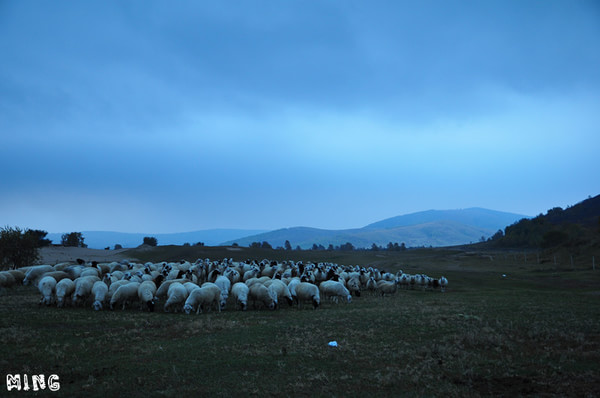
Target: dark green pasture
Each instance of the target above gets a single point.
(504, 327)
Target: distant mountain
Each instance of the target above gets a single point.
(427, 228)
(437, 233)
(210, 237)
(474, 216)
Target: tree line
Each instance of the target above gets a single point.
(343, 247)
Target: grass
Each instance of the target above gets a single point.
(534, 332)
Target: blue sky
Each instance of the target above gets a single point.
(155, 116)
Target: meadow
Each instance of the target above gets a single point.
(504, 327)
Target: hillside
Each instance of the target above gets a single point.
(475, 216)
(428, 228)
(577, 225)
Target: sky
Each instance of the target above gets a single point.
(158, 116)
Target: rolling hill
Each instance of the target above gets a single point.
(427, 228)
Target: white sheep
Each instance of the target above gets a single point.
(34, 274)
(259, 292)
(125, 294)
(64, 290)
(100, 292)
(281, 290)
(225, 285)
(176, 296)
(83, 288)
(333, 289)
(387, 287)
(308, 292)
(239, 291)
(353, 284)
(443, 284)
(47, 287)
(146, 292)
(203, 297)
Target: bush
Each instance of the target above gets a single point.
(18, 248)
(150, 241)
(73, 239)
(118, 247)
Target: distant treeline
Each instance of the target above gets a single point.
(344, 247)
(575, 226)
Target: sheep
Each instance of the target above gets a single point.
(308, 292)
(176, 296)
(34, 274)
(204, 296)
(163, 289)
(371, 285)
(57, 275)
(90, 272)
(64, 290)
(225, 285)
(333, 289)
(292, 287)
(47, 286)
(83, 288)
(443, 283)
(18, 275)
(353, 285)
(145, 293)
(387, 287)
(259, 292)
(239, 291)
(99, 291)
(125, 294)
(112, 287)
(190, 287)
(7, 279)
(281, 289)
(405, 281)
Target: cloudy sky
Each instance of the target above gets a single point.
(160, 116)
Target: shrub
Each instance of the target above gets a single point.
(150, 241)
(18, 248)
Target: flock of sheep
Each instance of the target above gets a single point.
(205, 284)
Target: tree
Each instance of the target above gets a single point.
(18, 248)
(287, 245)
(150, 241)
(266, 245)
(118, 247)
(255, 245)
(298, 248)
(374, 247)
(39, 237)
(347, 246)
(73, 239)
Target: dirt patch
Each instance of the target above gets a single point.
(55, 254)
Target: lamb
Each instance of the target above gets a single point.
(308, 292)
(34, 274)
(204, 296)
(83, 288)
(281, 289)
(47, 286)
(64, 290)
(176, 296)
(259, 292)
(239, 291)
(125, 294)
(145, 293)
(99, 291)
(333, 289)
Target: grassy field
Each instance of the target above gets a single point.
(535, 331)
